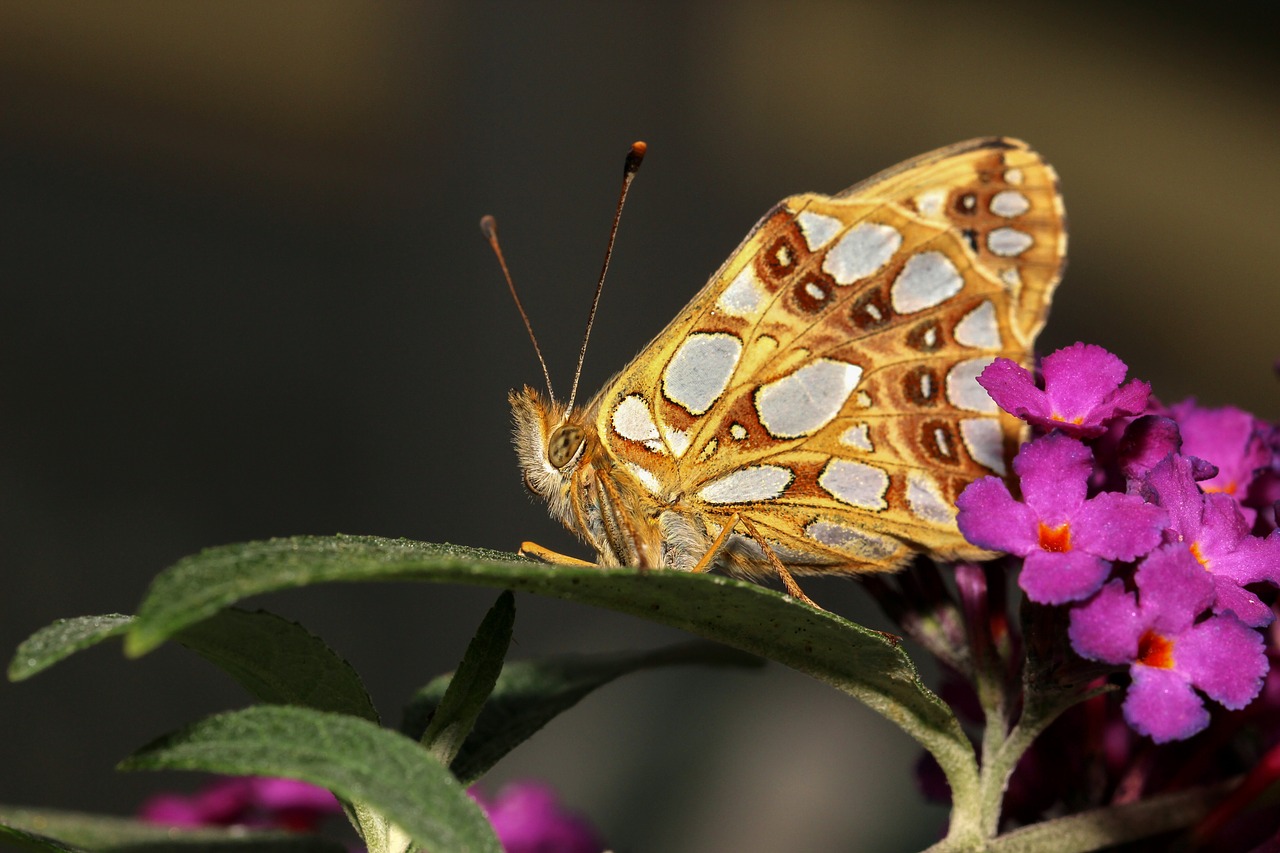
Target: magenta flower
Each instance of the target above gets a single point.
(1066, 538)
(1245, 451)
(257, 802)
(1217, 535)
(1231, 439)
(1082, 390)
(1170, 654)
(528, 818)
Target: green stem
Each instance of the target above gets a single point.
(1106, 827)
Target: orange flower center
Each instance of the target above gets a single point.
(1229, 488)
(1200, 558)
(1155, 650)
(1055, 539)
(1078, 419)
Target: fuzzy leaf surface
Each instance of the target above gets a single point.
(866, 664)
(62, 638)
(456, 711)
(276, 660)
(357, 760)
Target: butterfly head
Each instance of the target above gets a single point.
(551, 442)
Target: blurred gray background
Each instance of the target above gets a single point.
(243, 295)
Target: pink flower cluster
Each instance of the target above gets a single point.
(1156, 525)
(527, 817)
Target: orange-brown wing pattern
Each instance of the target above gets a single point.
(822, 383)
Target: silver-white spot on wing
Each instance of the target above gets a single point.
(856, 484)
(926, 499)
(803, 402)
(737, 431)
(816, 292)
(677, 440)
(697, 374)
(1009, 203)
(963, 389)
(1009, 242)
(979, 328)
(850, 540)
(927, 279)
(929, 203)
(863, 249)
(857, 436)
(984, 439)
(744, 297)
(646, 477)
(633, 421)
(758, 483)
(818, 229)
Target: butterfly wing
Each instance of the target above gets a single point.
(822, 384)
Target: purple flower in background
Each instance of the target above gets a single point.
(528, 818)
(1066, 538)
(1082, 393)
(1145, 442)
(1169, 653)
(1246, 452)
(1229, 438)
(258, 802)
(1215, 531)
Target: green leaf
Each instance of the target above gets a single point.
(276, 660)
(358, 761)
(279, 661)
(47, 829)
(456, 713)
(529, 694)
(866, 664)
(61, 639)
(32, 841)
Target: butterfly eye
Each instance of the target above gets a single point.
(564, 442)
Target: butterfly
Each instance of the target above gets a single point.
(814, 409)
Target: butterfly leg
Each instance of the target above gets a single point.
(705, 563)
(789, 582)
(546, 555)
(619, 528)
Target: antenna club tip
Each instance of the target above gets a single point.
(635, 156)
(488, 226)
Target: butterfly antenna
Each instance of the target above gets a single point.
(634, 157)
(489, 227)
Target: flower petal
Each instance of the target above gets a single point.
(1118, 526)
(1231, 597)
(1224, 658)
(1107, 628)
(1013, 389)
(989, 517)
(1050, 577)
(1170, 484)
(1053, 471)
(1162, 705)
(1146, 441)
(1174, 589)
